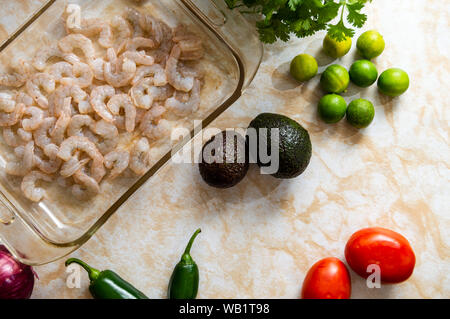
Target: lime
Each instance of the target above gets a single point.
(335, 79)
(370, 44)
(336, 49)
(393, 82)
(360, 113)
(304, 67)
(332, 108)
(363, 73)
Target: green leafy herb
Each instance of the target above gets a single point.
(282, 18)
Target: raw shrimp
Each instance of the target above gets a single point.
(85, 107)
(72, 166)
(108, 133)
(139, 57)
(58, 131)
(124, 30)
(77, 123)
(117, 161)
(179, 82)
(61, 70)
(144, 93)
(48, 166)
(120, 78)
(181, 108)
(14, 139)
(123, 101)
(26, 163)
(43, 55)
(98, 97)
(56, 99)
(34, 85)
(7, 102)
(24, 98)
(72, 41)
(97, 66)
(74, 143)
(134, 16)
(191, 46)
(82, 76)
(152, 126)
(41, 135)
(17, 78)
(86, 185)
(36, 118)
(9, 119)
(140, 157)
(92, 27)
(155, 70)
(29, 188)
(140, 42)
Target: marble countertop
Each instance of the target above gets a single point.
(259, 238)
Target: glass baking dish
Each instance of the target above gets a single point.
(38, 233)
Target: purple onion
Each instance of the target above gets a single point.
(16, 279)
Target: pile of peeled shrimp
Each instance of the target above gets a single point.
(65, 111)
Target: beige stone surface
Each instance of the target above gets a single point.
(259, 238)
(15, 13)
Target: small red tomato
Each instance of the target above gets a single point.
(383, 247)
(327, 279)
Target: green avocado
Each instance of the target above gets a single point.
(223, 160)
(294, 144)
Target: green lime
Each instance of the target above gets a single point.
(393, 82)
(332, 108)
(363, 73)
(335, 79)
(370, 44)
(360, 113)
(336, 49)
(304, 67)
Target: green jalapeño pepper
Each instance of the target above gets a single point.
(184, 281)
(107, 284)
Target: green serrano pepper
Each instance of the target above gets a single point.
(184, 281)
(107, 284)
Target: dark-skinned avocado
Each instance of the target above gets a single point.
(294, 143)
(217, 171)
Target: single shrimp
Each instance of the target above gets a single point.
(123, 101)
(82, 76)
(56, 99)
(44, 54)
(7, 102)
(36, 118)
(117, 161)
(139, 57)
(108, 133)
(16, 136)
(24, 98)
(144, 93)
(98, 97)
(182, 108)
(73, 41)
(59, 130)
(77, 123)
(155, 70)
(191, 46)
(179, 82)
(152, 126)
(92, 27)
(134, 16)
(120, 78)
(9, 119)
(81, 143)
(61, 70)
(124, 30)
(140, 42)
(140, 157)
(86, 185)
(72, 166)
(26, 163)
(34, 85)
(97, 66)
(18, 77)
(50, 165)
(29, 188)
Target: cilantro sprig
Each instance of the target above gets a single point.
(282, 18)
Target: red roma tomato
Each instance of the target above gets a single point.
(327, 279)
(386, 248)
